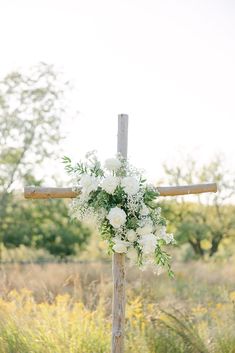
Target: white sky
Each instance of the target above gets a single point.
(169, 64)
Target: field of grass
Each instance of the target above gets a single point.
(57, 308)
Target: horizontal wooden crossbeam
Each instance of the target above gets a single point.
(32, 192)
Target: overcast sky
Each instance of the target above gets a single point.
(169, 64)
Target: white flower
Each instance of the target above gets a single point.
(144, 210)
(148, 242)
(124, 206)
(120, 246)
(162, 234)
(130, 185)
(132, 254)
(146, 229)
(109, 184)
(116, 217)
(112, 164)
(169, 238)
(88, 183)
(131, 235)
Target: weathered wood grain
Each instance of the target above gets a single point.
(33, 192)
(119, 276)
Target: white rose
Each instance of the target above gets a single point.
(148, 243)
(144, 210)
(147, 229)
(130, 185)
(116, 217)
(88, 183)
(132, 254)
(131, 235)
(112, 164)
(120, 246)
(109, 184)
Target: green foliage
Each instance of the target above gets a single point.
(184, 327)
(163, 259)
(43, 224)
(56, 233)
(101, 199)
(132, 223)
(199, 225)
(31, 108)
(92, 167)
(149, 196)
(209, 221)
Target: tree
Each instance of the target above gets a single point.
(32, 105)
(43, 224)
(212, 218)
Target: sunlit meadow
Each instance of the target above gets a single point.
(55, 308)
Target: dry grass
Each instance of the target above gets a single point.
(194, 282)
(66, 307)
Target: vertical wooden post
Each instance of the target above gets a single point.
(119, 300)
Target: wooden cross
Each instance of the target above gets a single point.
(118, 260)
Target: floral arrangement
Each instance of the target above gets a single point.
(124, 207)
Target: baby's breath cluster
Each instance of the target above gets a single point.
(124, 207)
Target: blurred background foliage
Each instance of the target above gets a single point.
(32, 106)
(207, 223)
